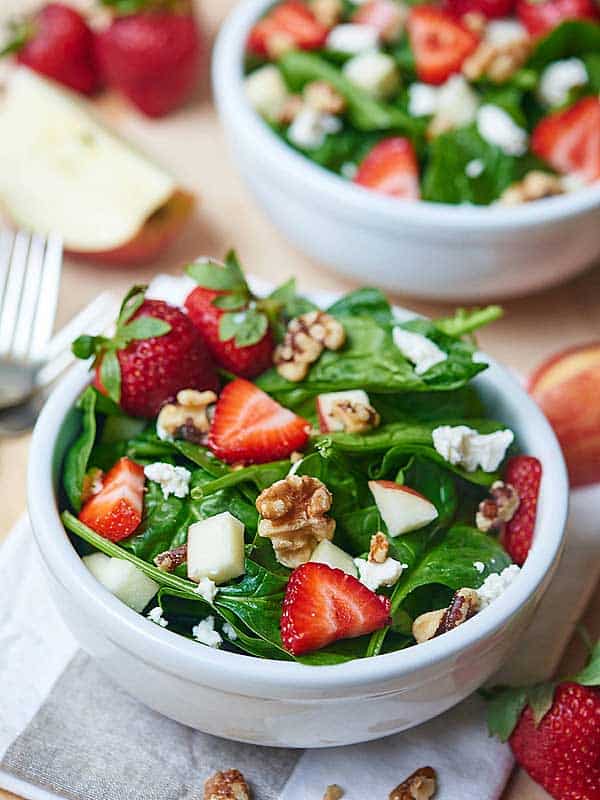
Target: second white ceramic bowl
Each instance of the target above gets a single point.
(431, 250)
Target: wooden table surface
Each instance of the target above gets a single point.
(191, 145)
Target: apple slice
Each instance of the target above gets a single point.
(328, 553)
(401, 508)
(325, 403)
(63, 171)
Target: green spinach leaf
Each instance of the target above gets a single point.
(78, 455)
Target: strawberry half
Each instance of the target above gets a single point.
(525, 474)
(391, 168)
(116, 511)
(293, 21)
(569, 140)
(541, 16)
(250, 427)
(323, 604)
(440, 43)
(492, 9)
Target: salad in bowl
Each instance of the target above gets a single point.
(466, 102)
(291, 482)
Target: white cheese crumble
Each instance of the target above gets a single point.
(205, 633)
(467, 448)
(454, 103)
(207, 589)
(310, 127)
(479, 566)
(374, 72)
(474, 168)
(422, 99)
(173, 289)
(155, 615)
(496, 584)
(172, 480)
(352, 38)
(229, 631)
(349, 170)
(423, 353)
(504, 31)
(497, 127)
(266, 91)
(373, 574)
(559, 78)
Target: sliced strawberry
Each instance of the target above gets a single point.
(116, 511)
(440, 43)
(386, 16)
(323, 604)
(251, 427)
(541, 16)
(492, 9)
(291, 20)
(525, 474)
(391, 168)
(569, 140)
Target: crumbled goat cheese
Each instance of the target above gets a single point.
(496, 584)
(454, 103)
(479, 566)
(373, 574)
(173, 289)
(422, 99)
(205, 633)
(374, 72)
(155, 615)
(229, 631)
(349, 170)
(266, 91)
(172, 480)
(352, 38)
(310, 127)
(504, 31)
(474, 168)
(497, 127)
(423, 353)
(467, 448)
(559, 78)
(207, 590)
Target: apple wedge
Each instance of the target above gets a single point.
(63, 171)
(401, 508)
(325, 403)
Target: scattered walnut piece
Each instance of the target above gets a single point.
(187, 418)
(356, 417)
(426, 625)
(323, 97)
(327, 12)
(464, 605)
(497, 509)
(171, 559)
(291, 108)
(277, 44)
(305, 339)
(534, 186)
(92, 483)
(421, 785)
(228, 785)
(378, 551)
(333, 792)
(497, 62)
(294, 517)
(475, 22)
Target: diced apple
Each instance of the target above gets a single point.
(374, 72)
(401, 508)
(266, 91)
(325, 403)
(63, 171)
(123, 579)
(328, 553)
(215, 548)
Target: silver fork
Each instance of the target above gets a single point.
(30, 267)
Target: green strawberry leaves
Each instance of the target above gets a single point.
(590, 675)
(245, 327)
(220, 277)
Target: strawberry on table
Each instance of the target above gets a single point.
(116, 511)
(569, 140)
(541, 16)
(155, 352)
(153, 54)
(291, 23)
(323, 604)
(391, 168)
(439, 41)
(57, 42)
(250, 427)
(524, 473)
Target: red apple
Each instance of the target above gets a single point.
(325, 402)
(401, 508)
(567, 388)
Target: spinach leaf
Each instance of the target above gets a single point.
(574, 37)
(396, 457)
(367, 302)
(78, 455)
(461, 403)
(345, 146)
(261, 475)
(164, 524)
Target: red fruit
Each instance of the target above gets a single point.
(251, 427)
(323, 604)
(525, 474)
(248, 361)
(292, 20)
(492, 9)
(569, 140)
(57, 43)
(541, 16)
(391, 168)
(562, 753)
(153, 58)
(116, 511)
(384, 15)
(440, 43)
(153, 370)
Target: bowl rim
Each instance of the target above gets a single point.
(375, 209)
(167, 651)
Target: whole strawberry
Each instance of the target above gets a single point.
(151, 55)
(524, 473)
(554, 732)
(57, 42)
(155, 352)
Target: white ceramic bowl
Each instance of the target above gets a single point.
(282, 703)
(432, 250)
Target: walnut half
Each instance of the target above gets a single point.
(421, 785)
(355, 417)
(187, 418)
(227, 785)
(305, 339)
(294, 517)
(497, 509)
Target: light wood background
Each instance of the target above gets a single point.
(190, 144)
